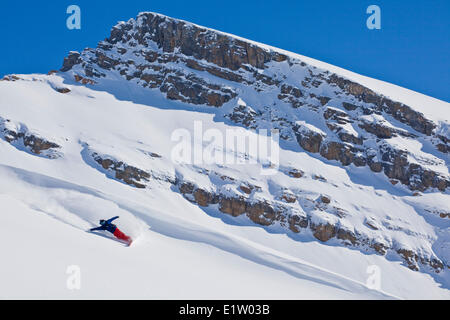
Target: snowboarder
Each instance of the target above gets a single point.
(108, 226)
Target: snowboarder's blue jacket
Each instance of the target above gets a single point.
(107, 225)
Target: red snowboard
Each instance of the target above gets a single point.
(122, 236)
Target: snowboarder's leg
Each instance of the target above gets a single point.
(122, 236)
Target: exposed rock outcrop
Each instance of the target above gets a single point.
(126, 173)
(308, 139)
(72, 59)
(398, 110)
(266, 213)
(20, 136)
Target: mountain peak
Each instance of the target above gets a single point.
(189, 39)
(201, 66)
(361, 163)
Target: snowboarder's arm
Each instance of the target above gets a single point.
(98, 228)
(112, 219)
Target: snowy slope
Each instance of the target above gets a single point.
(72, 153)
(181, 252)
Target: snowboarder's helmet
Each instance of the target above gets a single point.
(102, 222)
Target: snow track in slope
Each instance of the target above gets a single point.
(80, 207)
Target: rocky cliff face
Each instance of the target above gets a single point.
(257, 87)
(199, 66)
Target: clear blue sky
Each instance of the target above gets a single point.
(412, 49)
